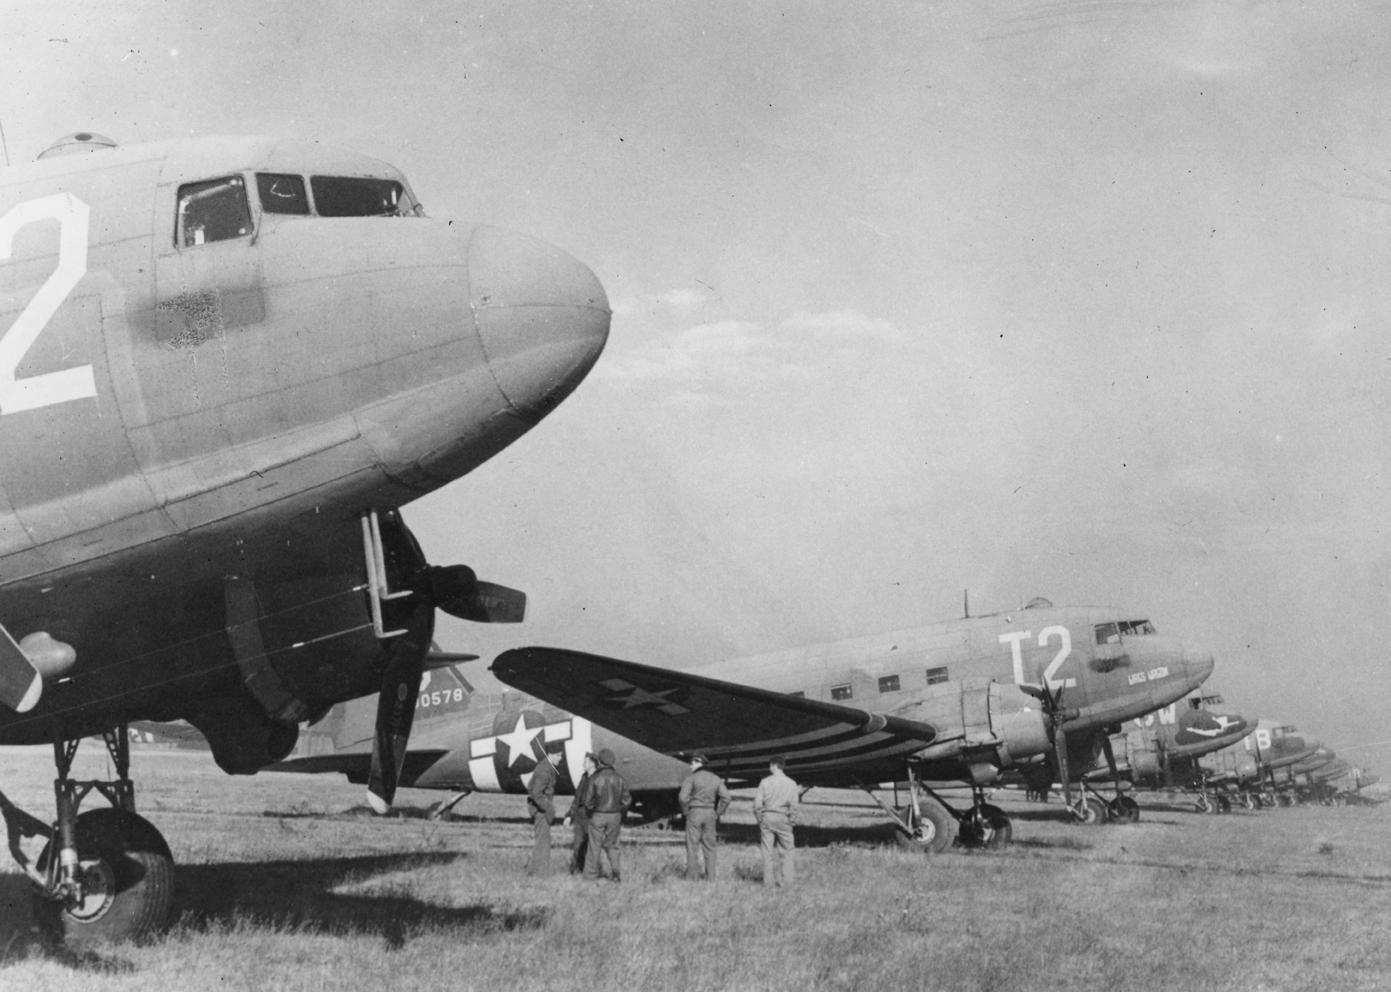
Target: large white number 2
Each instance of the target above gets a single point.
(51, 387)
(1046, 635)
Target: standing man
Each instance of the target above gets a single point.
(579, 817)
(606, 803)
(540, 803)
(703, 798)
(775, 809)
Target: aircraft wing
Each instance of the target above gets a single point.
(737, 726)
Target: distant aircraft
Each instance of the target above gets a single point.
(956, 702)
(1158, 751)
(1256, 768)
(225, 363)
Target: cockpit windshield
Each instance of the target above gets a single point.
(1113, 633)
(214, 210)
(339, 196)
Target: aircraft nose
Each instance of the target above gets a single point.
(1197, 662)
(541, 315)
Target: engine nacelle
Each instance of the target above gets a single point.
(1144, 763)
(980, 722)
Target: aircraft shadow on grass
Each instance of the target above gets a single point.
(296, 895)
(25, 934)
(300, 894)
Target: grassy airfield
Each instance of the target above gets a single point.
(281, 888)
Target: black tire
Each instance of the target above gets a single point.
(1224, 805)
(1093, 811)
(934, 834)
(1204, 805)
(999, 825)
(129, 875)
(1123, 809)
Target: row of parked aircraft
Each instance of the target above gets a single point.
(227, 363)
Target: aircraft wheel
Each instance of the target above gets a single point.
(999, 825)
(934, 832)
(1204, 805)
(1092, 811)
(1249, 801)
(128, 881)
(1283, 800)
(1123, 809)
(987, 827)
(1224, 805)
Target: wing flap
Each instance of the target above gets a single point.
(738, 726)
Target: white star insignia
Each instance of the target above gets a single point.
(519, 741)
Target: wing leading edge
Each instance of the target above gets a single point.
(738, 726)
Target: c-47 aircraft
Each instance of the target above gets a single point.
(467, 742)
(1164, 750)
(225, 363)
(956, 702)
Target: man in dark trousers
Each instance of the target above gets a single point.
(540, 803)
(579, 817)
(704, 798)
(607, 801)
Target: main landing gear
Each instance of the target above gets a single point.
(106, 874)
(925, 824)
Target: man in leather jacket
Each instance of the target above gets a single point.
(607, 801)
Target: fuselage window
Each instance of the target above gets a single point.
(215, 210)
(1107, 633)
(282, 194)
(841, 692)
(888, 683)
(338, 196)
(936, 675)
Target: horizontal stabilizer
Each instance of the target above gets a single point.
(443, 659)
(20, 682)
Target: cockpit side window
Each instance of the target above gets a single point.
(1137, 627)
(340, 196)
(282, 193)
(1107, 633)
(213, 210)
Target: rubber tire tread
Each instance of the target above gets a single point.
(144, 868)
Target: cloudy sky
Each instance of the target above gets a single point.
(1076, 299)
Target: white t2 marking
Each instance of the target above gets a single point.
(49, 388)
(1015, 638)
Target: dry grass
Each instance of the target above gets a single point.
(279, 890)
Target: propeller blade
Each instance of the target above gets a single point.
(1060, 752)
(20, 681)
(405, 668)
(458, 591)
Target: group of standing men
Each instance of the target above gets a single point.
(602, 798)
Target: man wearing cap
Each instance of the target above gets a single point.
(579, 817)
(540, 803)
(775, 809)
(606, 803)
(704, 798)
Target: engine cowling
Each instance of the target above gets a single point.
(981, 722)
